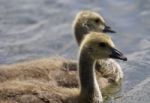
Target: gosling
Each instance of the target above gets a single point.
(95, 46)
(87, 21)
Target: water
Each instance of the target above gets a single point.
(39, 28)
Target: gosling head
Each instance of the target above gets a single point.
(87, 21)
(100, 46)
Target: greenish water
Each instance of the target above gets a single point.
(40, 28)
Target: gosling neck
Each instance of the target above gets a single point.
(79, 33)
(90, 91)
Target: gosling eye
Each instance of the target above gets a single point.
(97, 20)
(102, 44)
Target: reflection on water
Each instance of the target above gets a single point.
(39, 28)
(112, 92)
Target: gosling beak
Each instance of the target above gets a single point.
(116, 54)
(108, 29)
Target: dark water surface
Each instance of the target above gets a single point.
(40, 28)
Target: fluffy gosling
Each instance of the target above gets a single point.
(85, 22)
(95, 46)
